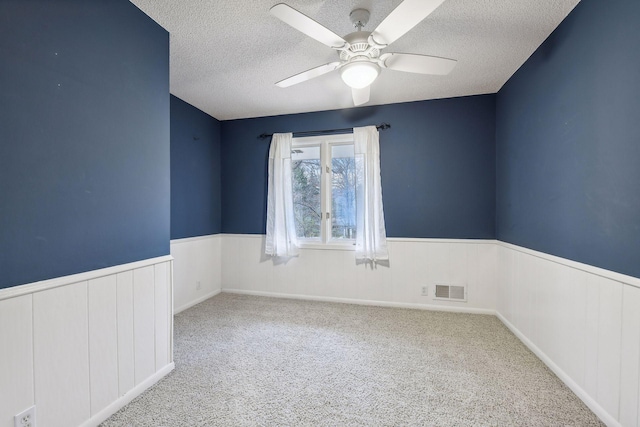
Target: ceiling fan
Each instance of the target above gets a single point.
(360, 52)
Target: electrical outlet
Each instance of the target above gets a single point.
(26, 418)
(425, 291)
(198, 285)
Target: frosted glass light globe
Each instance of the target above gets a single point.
(359, 74)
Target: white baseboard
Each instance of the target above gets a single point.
(197, 301)
(364, 302)
(604, 416)
(128, 397)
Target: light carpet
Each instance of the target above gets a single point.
(256, 361)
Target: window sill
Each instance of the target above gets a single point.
(328, 246)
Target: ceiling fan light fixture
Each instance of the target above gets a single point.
(359, 74)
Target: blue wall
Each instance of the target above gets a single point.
(195, 171)
(84, 137)
(550, 163)
(568, 141)
(437, 163)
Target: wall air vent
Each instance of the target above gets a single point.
(451, 292)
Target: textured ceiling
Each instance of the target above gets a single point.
(227, 55)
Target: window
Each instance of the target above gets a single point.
(323, 174)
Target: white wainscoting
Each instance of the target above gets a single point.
(332, 275)
(196, 270)
(80, 347)
(582, 321)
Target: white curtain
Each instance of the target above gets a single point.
(371, 236)
(281, 229)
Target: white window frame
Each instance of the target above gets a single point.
(325, 142)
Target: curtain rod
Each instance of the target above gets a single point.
(381, 126)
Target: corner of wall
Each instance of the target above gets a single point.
(197, 270)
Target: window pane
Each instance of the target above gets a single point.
(306, 175)
(343, 192)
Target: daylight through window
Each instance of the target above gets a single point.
(324, 179)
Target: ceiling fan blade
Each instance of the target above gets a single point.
(403, 18)
(360, 96)
(422, 64)
(308, 26)
(308, 75)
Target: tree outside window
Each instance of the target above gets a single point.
(324, 175)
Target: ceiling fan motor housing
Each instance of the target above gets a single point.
(358, 46)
